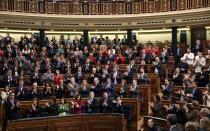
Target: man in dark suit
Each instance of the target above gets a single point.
(97, 87)
(166, 89)
(117, 105)
(116, 76)
(21, 91)
(197, 93)
(11, 107)
(79, 75)
(36, 76)
(134, 90)
(105, 104)
(92, 76)
(87, 67)
(142, 76)
(91, 105)
(164, 56)
(10, 79)
(109, 87)
(128, 75)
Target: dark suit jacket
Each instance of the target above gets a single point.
(117, 109)
(198, 95)
(78, 78)
(119, 77)
(91, 79)
(23, 94)
(87, 68)
(164, 59)
(97, 90)
(135, 93)
(159, 68)
(105, 109)
(11, 112)
(92, 108)
(110, 89)
(143, 80)
(129, 78)
(12, 83)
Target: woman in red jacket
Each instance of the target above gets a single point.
(77, 105)
(58, 77)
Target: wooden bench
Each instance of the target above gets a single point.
(155, 83)
(134, 103)
(82, 122)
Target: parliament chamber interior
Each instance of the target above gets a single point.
(105, 65)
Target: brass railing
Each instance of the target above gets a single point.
(70, 7)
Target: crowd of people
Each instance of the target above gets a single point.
(57, 69)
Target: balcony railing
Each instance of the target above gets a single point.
(69, 7)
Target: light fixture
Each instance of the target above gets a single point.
(164, 28)
(188, 26)
(74, 30)
(51, 30)
(141, 29)
(96, 30)
(5, 28)
(29, 29)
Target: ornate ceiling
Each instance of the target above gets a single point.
(194, 17)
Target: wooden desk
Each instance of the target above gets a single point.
(133, 102)
(82, 122)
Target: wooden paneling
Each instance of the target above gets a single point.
(146, 99)
(84, 122)
(132, 125)
(155, 83)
